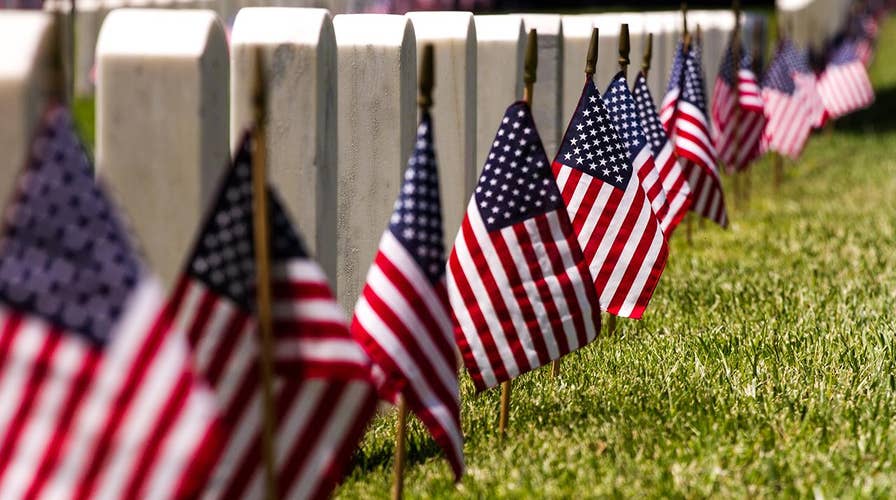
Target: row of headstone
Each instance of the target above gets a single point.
(341, 109)
(811, 23)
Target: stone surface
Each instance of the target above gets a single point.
(162, 123)
(28, 79)
(666, 28)
(299, 50)
(453, 35)
(377, 115)
(500, 45)
(547, 102)
(87, 27)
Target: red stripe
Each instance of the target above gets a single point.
(41, 366)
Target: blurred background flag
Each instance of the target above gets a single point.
(788, 112)
(844, 84)
(738, 113)
(324, 395)
(519, 286)
(402, 318)
(623, 112)
(678, 193)
(805, 80)
(611, 214)
(685, 119)
(99, 396)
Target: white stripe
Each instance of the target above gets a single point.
(209, 341)
(467, 326)
(385, 336)
(609, 238)
(344, 416)
(394, 346)
(577, 279)
(129, 337)
(309, 310)
(187, 309)
(541, 314)
(307, 269)
(625, 261)
(242, 436)
(644, 272)
(43, 419)
(26, 344)
(320, 350)
(180, 445)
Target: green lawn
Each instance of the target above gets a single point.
(765, 366)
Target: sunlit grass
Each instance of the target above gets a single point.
(766, 365)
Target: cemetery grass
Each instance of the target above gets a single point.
(765, 365)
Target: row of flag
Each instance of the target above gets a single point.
(112, 390)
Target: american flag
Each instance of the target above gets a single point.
(678, 193)
(518, 283)
(611, 214)
(402, 318)
(805, 80)
(788, 113)
(685, 119)
(738, 113)
(844, 85)
(324, 395)
(625, 118)
(99, 396)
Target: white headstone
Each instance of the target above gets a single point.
(453, 36)
(299, 49)
(547, 104)
(666, 28)
(162, 122)
(576, 38)
(500, 46)
(87, 27)
(28, 79)
(376, 120)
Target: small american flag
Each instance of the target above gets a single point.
(518, 283)
(324, 396)
(844, 85)
(613, 220)
(685, 119)
(678, 193)
(805, 80)
(788, 113)
(402, 316)
(624, 113)
(738, 113)
(99, 396)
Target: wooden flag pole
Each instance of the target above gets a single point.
(648, 55)
(263, 276)
(686, 45)
(590, 66)
(757, 70)
(426, 82)
(530, 65)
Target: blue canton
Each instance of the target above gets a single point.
(726, 70)
(516, 182)
(417, 219)
(224, 256)
(65, 255)
(677, 72)
(591, 144)
(625, 115)
(796, 59)
(694, 90)
(779, 76)
(647, 113)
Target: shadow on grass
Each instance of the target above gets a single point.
(420, 448)
(880, 117)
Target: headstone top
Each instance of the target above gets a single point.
(17, 29)
(293, 25)
(437, 24)
(137, 31)
(545, 24)
(498, 27)
(577, 26)
(373, 29)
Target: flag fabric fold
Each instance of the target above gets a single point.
(100, 398)
(624, 114)
(804, 79)
(678, 193)
(738, 112)
(685, 118)
(844, 85)
(611, 214)
(519, 287)
(789, 113)
(323, 389)
(402, 318)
